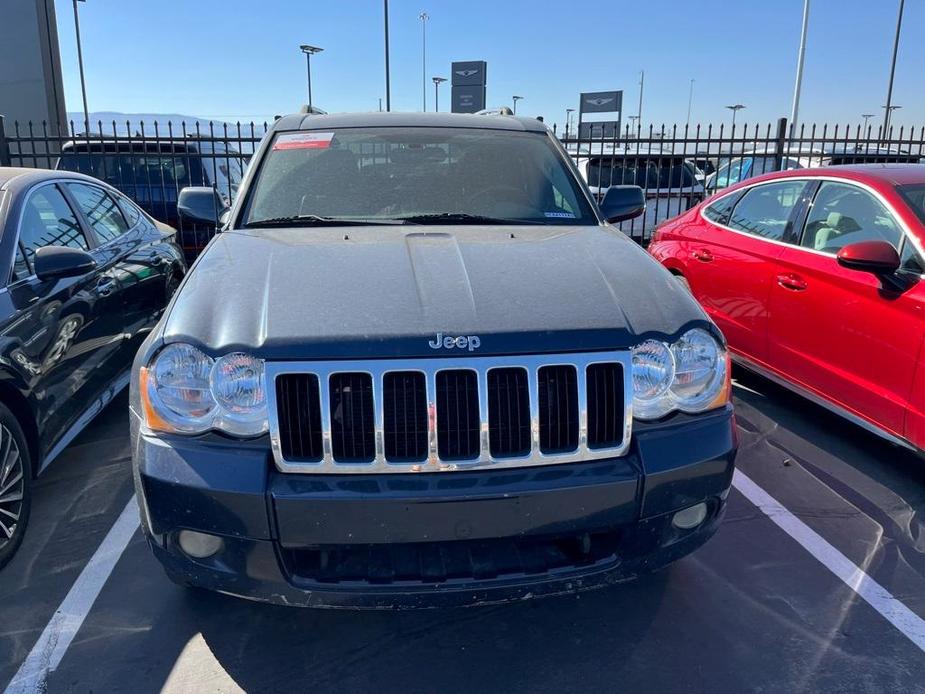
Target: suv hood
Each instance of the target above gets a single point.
(360, 292)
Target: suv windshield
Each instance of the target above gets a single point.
(438, 175)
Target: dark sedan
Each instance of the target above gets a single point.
(85, 275)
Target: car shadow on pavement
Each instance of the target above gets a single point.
(555, 644)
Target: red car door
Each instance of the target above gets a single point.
(841, 333)
(733, 260)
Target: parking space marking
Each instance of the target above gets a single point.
(53, 643)
(895, 612)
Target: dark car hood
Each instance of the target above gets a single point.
(387, 291)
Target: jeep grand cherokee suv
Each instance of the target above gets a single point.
(419, 368)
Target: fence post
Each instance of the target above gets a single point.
(780, 144)
(5, 159)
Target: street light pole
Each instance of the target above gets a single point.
(424, 17)
(568, 121)
(735, 108)
(867, 117)
(515, 99)
(80, 63)
(642, 81)
(437, 82)
(889, 90)
(887, 117)
(690, 102)
(309, 51)
(794, 113)
(388, 89)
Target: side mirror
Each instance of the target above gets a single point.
(53, 262)
(877, 257)
(201, 204)
(623, 202)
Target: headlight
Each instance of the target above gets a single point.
(691, 375)
(184, 390)
(653, 372)
(237, 386)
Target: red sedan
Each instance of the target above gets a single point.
(816, 279)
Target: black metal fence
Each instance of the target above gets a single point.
(149, 164)
(676, 166)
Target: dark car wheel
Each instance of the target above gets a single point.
(15, 478)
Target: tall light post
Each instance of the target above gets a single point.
(424, 17)
(634, 120)
(889, 91)
(388, 86)
(887, 117)
(735, 108)
(437, 82)
(642, 81)
(568, 121)
(795, 111)
(309, 51)
(867, 117)
(80, 63)
(515, 99)
(690, 102)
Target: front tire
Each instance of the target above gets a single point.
(15, 485)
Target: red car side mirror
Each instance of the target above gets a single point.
(878, 257)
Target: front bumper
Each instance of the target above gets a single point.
(430, 539)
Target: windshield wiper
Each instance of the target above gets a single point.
(462, 218)
(305, 220)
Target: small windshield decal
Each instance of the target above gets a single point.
(560, 215)
(303, 141)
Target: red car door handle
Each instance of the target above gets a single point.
(792, 282)
(703, 255)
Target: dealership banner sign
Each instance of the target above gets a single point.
(601, 102)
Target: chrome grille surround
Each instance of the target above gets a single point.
(430, 367)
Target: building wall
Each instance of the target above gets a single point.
(30, 66)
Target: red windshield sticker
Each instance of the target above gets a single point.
(303, 141)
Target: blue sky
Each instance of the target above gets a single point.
(239, 59)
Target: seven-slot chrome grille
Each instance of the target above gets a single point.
(419, 415)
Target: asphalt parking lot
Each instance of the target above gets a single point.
(754, 610)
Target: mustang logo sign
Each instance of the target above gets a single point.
(470, 342)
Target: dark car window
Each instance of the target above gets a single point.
(719, 211)
(911, 261)
(130, 210)
(914, 195)
(122, 169)
(765, 210)
(47, 220)
(101, 211)
(21, 268)
(646, 172)
(842, 214)
(400, 173)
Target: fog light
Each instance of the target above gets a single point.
(199, 545)
(690, 517)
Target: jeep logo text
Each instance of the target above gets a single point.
(470, 342)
